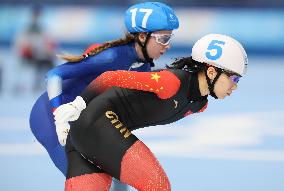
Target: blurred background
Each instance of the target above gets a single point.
(236, 144)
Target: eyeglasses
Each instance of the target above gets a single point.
(163, 39)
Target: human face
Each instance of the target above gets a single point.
(225, 85)
(158, 43)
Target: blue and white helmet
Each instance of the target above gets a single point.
(150, 17)
(221, 51)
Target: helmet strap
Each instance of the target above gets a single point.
(211, 85)
(144, 49)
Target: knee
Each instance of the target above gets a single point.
(159, 183)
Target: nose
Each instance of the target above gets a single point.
(168, 46)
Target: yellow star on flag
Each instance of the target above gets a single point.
(155, 77)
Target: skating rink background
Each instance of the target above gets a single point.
(237, 144)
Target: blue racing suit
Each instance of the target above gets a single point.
(67, 81)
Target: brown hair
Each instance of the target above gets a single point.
(125, 40)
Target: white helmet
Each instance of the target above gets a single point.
(221, 51)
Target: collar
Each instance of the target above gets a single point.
(194, 91)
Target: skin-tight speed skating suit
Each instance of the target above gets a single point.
(67, 81)
(100, 143)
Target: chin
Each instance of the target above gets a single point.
(157, 57)
(221, 97)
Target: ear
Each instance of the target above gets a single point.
(211, 72)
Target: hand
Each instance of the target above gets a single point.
(69, 111)
(66, 112)
(62, 130)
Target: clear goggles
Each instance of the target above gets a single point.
(163, 39)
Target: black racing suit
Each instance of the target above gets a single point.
(102, 133)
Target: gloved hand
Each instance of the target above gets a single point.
(62, 130)
(69, 111)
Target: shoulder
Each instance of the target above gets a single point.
(107, 56)
(53, 72)
(117, 51)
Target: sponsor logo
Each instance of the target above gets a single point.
(117, 124)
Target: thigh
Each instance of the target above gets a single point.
(102, 137)
(78, 164)
(141, 169)
(83, 174)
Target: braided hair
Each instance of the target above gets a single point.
(122, 41)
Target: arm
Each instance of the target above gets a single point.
(56, 76)
(201, 110)
(163, 83)
(91, 66)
